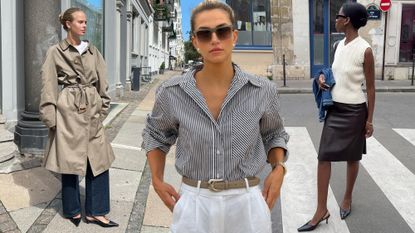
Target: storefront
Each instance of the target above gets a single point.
(253, 21)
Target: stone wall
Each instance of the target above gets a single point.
(253, 61)
(283, 41)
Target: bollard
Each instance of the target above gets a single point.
(413, 66)
(283, 70)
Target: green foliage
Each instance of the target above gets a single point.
(190, 52)
(162, 66)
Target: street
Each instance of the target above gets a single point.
(383, 201)
(384, 193)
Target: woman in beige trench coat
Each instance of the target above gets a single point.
(74, 114)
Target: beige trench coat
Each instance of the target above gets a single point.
(77, 109)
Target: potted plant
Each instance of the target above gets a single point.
(162, 67)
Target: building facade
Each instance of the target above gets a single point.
(125, 31)
(303, 33)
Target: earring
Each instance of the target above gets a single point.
(198, 49)
(233, 45)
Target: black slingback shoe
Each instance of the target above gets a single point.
(344, 213)
(309, 227)
(100, 223)
(75, 221)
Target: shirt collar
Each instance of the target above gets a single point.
(239, 77)
(64, 44)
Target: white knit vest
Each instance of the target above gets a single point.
(348, 71)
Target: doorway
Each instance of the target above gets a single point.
(323, 33)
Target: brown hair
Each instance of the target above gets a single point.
(211, 5)
(67, 16)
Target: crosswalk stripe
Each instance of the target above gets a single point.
(395, 180)
(298, 194)
(408, 134)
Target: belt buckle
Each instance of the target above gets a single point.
(212, 182)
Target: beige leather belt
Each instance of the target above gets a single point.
(217, 185)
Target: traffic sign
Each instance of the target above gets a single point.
(385, 5)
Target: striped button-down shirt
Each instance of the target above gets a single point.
(232, 147)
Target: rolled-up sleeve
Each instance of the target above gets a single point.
(272, 127)
(161, 130)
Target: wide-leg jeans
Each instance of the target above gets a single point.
(97, 194)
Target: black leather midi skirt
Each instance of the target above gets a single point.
(343, 137)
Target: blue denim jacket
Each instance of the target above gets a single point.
(323, 97)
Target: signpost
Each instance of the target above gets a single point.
(373, 12)
(385, 5)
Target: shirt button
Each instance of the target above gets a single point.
(218, 152)
(76, 62)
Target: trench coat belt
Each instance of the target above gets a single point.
(81, 98)
(217, 185)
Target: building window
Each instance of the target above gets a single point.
(253, 21)
(407, 45)
(94, 10)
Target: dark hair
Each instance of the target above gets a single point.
(356, 12)
(67, 16)
(211, 5)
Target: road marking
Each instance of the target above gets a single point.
(299, 192)
(116, 145)
(408, 134)
(393, 178)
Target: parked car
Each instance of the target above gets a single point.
(186, 68)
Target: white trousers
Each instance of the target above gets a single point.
(231, 211)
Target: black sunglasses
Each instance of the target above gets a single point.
(222, 32)
(341, 16)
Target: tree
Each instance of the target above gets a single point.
(190, 52)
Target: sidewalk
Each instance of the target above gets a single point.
(30, 198)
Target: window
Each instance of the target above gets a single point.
(94, 10)
(407, 45)
(253, 21)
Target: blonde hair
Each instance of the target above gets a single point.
(67, 16)
(211, 5)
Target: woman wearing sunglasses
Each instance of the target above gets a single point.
(349, 120)
(227, 126)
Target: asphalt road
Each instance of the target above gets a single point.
(377, 193)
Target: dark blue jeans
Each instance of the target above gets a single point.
(97, 194)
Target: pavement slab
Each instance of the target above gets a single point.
(130, 134)
(120, 212)
(124, 184)
(128, 159)
(157, 214)
(114, 112)
(148, 101)
(25, 217)
(152, 229)
(27, 188)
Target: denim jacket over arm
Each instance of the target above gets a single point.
(323, 97)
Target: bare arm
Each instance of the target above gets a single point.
(157, 160)
(273, 182)
(369, 70)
